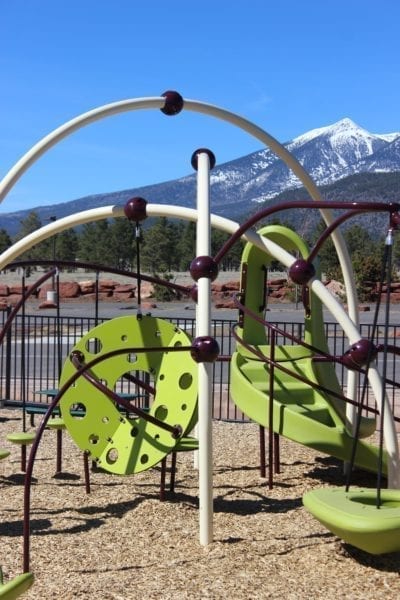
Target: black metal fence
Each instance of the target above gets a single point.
(36, 346)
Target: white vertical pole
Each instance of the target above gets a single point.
(203, 248)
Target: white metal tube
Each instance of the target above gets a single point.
(203, 328)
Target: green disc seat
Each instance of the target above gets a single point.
(128, 444)
(4, 453)
(56, 423)
(354, 517)
(23, 438)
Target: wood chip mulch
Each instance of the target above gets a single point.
(121, 543)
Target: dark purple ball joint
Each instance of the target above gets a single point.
(301, 271)
(173, 103)
(359, 354)
(204, 266)
(395, 220)
(204, 349)
(77, 356)
(195, 157)
(135, 209)
(194, 293)
(177, 432)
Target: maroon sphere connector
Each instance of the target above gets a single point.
(195, 157)
(204, 349)
(203, 266)
(194, 293)
(395, 220)
(77, 355)
(135, 209)
(173, 103)
(359, 354)
(177, 432)
(301, 271)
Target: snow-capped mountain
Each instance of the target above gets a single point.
(328, 154)
(386, 159)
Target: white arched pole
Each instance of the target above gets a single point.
(159, 102)
(229, 226)
(128, 105)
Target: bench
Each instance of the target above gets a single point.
(40, 408)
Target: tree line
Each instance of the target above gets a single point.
(164, 245)
(169, 245)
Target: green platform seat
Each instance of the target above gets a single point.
(23, 439)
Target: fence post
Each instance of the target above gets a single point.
(8, 359)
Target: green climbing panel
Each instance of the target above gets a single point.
(118, 443)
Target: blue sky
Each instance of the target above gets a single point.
(288, 66)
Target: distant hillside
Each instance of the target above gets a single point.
(346, 160)
(363, 187)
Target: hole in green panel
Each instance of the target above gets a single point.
(93, 438)
(134, 431)
(77, 411)
(184, 407)
(124, 338)
(161, 413)
(185, 381)
(132, 357)
(112, 456)
(94, 345)
(144, 459)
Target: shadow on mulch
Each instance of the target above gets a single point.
(223, 469)
(330, 470)
(46, 527)
(7, 419)
(15, 528)
(257, 503)
(65, 476)
(383, 562)
(16, 479)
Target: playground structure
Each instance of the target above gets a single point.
(292, 389)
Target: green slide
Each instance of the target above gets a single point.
(300, 412)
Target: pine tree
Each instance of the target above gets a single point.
(231, 260)
(28, 225)
(186, 245)
(5, 240)
(66, 245)
(94, 243)
(122, 244)
(159, 254)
